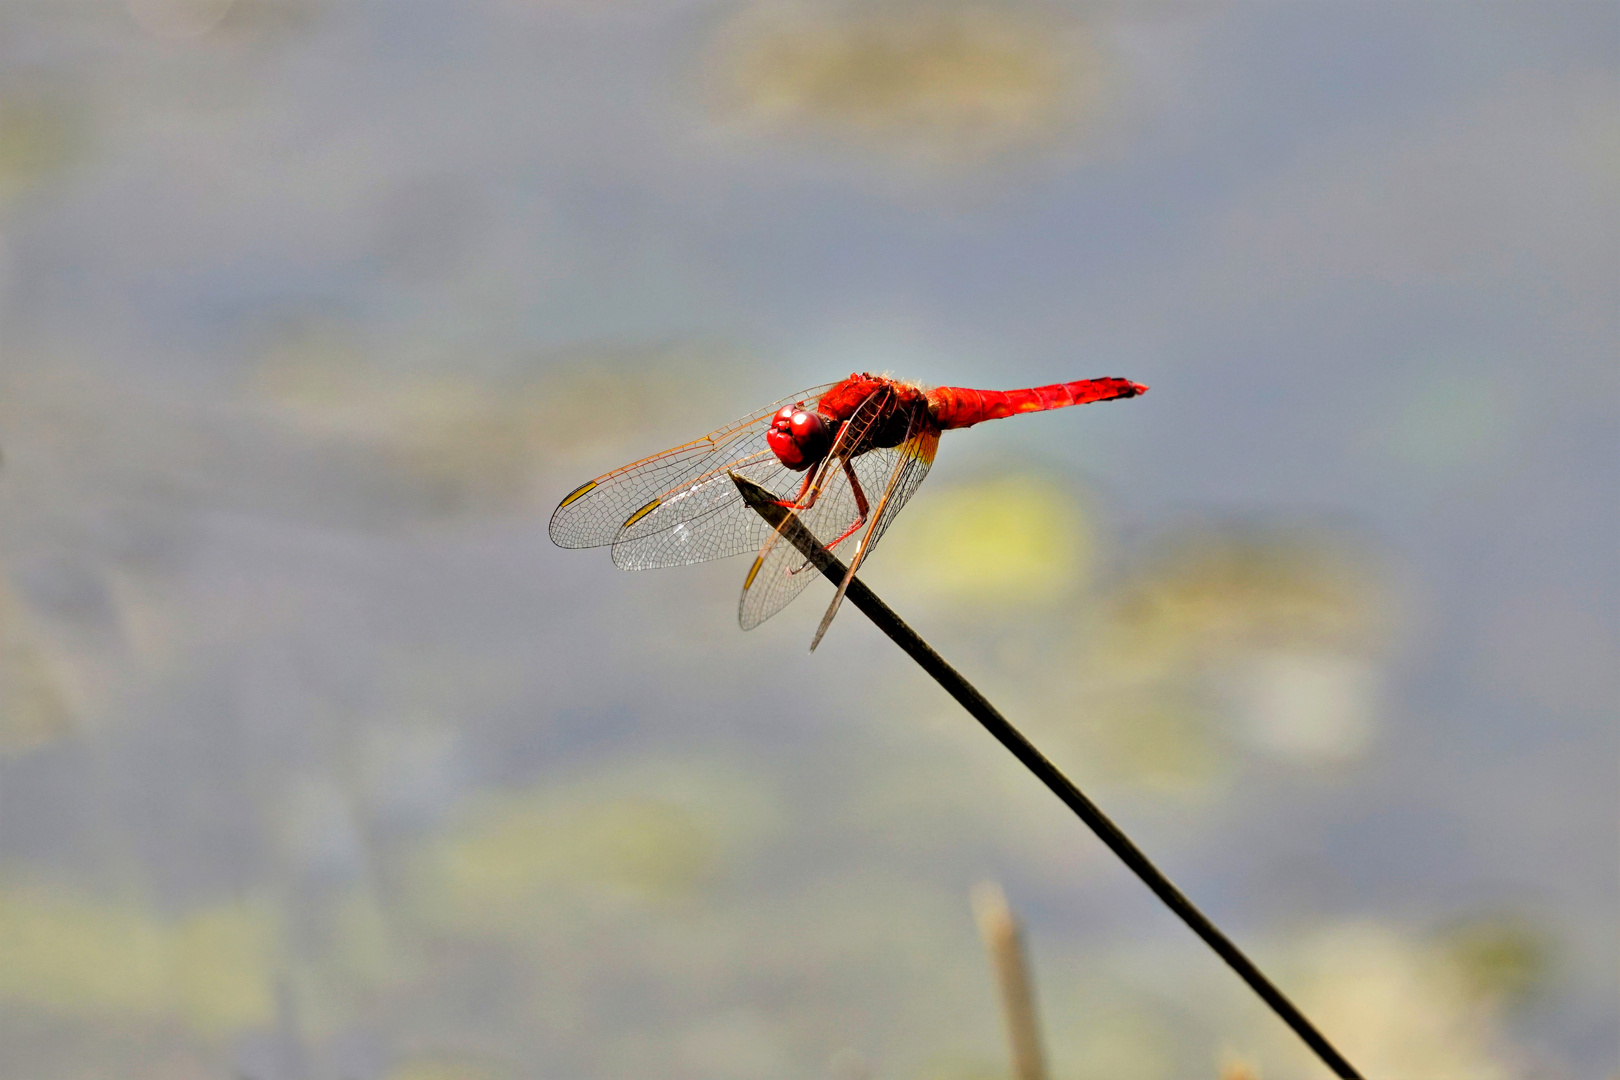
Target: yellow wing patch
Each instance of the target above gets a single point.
(639, 514)
(576, 493)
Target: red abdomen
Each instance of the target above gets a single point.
(958, 407)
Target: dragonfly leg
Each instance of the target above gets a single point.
(799, 502)
(861, 506)
(811, 488)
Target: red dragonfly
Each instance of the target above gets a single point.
(845, 457)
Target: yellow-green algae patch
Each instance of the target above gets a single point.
(67, 952)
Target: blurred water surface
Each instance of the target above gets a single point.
(317, 760)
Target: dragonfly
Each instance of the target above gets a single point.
(845, 457)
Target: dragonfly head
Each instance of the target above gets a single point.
(799, 438)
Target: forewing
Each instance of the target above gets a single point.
(913, 459)
(669, 509)
(916, 457)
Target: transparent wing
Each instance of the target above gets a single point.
(780, 572)
(679, 506)
(915, 456)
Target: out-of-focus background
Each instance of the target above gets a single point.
(319, 762)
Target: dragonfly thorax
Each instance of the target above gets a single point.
(799, 438)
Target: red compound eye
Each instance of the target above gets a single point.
(798, 438)
(806, 427)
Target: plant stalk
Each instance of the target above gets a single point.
(794, 531)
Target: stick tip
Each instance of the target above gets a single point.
(752, 493)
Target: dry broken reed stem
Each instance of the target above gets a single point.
(1004, 940)
(784, 521)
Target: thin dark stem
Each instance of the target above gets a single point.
(793, 531)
